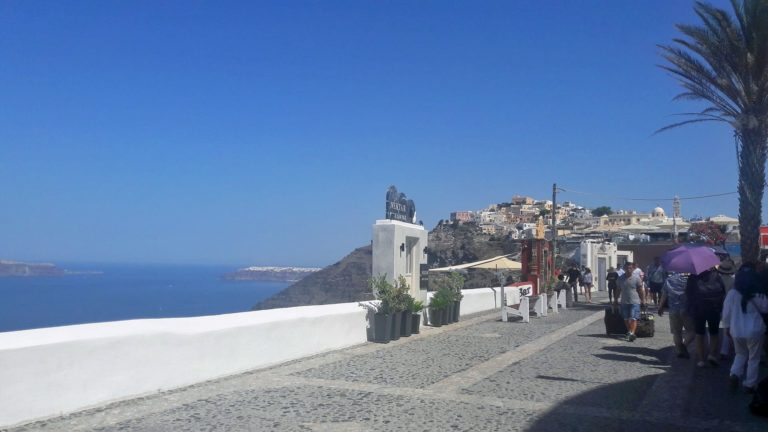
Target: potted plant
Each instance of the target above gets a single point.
(456, 283)
(405, 323)
(399, 305)
(416, 307)
(436, 309)
(402, 305)
(447, 296)
(382, 318)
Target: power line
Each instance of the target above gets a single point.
(648, 199)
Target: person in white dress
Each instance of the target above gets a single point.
(741, 317)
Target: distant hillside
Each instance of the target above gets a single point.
(345, 281)
(279, 274)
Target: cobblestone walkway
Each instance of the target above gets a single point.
(558, 373)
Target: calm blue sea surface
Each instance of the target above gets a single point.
(125, 292)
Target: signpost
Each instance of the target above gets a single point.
(399, 207)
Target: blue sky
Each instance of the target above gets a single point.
(268, 132)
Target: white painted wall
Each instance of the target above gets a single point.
(52, 371)
(485, 299)
(389, 260)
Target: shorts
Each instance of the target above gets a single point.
(680, 320)
(655, 287)
(630, 311)
(707, 319)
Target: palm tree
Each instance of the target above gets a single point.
(724, 62)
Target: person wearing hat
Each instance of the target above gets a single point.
(727, 270)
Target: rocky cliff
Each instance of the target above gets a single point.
(347, 280)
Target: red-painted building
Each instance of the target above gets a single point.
(764, 237)
(536, 260)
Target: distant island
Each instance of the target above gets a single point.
(15, 268)
(273, 274)
(22, 269)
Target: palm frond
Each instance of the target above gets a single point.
(682, 123)
(723, 61)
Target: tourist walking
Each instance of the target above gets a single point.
(655, 276)
(742, 320)
(560, 286)
(573, 280)
(706, 293)
(632, 297)
(727, 269)
(674, 300)
(588, 282)
(613, 288)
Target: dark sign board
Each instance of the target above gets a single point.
(424, 277)
(399, 207)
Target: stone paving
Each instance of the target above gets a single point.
(559, 372)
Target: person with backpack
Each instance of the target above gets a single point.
(706, 293)
(742, 319)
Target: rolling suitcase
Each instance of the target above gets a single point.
(614, 323)
(645, 325)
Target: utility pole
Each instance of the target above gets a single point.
(554, 226)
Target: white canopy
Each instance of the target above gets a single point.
(639, 228)
(495, 263)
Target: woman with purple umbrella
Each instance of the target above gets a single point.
(705, 292)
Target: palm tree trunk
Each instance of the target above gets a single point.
(751, 157)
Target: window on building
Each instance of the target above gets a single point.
(409, 258)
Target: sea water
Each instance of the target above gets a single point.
(123, 292)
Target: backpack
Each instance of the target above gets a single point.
(656, 275)
(710, 290)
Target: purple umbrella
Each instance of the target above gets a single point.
(690, 259)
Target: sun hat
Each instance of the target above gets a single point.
(726, 267)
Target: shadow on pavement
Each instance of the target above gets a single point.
(681, 399)
(602, 336)
(661, 355)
